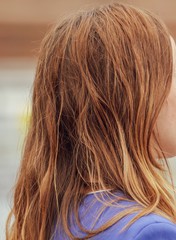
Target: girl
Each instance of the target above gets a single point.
(102, 126)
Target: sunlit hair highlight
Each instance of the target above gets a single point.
(101, 80)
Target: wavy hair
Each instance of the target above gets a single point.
(102, 78)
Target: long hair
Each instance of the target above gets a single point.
(102, 78)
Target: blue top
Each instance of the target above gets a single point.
(149, 227)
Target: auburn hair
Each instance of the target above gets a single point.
(101, 80)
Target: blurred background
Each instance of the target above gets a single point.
(23, 24)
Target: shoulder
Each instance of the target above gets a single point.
(151, 227)
(148, 227)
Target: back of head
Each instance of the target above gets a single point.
(101, 80)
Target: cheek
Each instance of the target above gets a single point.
(166, 125)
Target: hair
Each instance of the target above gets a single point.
(102, 78)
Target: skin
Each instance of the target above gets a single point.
(166, 121)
